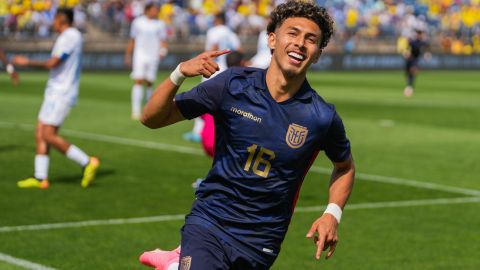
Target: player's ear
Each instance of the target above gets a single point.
(272, 39)
(317, 56)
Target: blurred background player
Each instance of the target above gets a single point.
(219, 37)
(9, 68)
(60, 96)
(148, 44)
(417, 47)
(263, 56)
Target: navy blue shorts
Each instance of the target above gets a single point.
(203, 250)
(411, 63)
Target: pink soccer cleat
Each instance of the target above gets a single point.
(160, 259)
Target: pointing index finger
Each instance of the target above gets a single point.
(218, 53)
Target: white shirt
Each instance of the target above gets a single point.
(226, 39)
(263, 57)
(64, 79)
(147, 33)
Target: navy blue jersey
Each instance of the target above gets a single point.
(417, 47)
(262, 153)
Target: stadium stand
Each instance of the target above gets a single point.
(360, 25)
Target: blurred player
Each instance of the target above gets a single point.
(219, 37)
(148, 44)
(263, 56)
(270, 127)
(60, 96)
(416, 48)
(9, 68)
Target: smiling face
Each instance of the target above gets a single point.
(295, 45)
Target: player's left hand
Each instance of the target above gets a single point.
(324, 234)
(20, 61)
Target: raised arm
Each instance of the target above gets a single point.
(50, 63)
(161, 110)
(341, 184)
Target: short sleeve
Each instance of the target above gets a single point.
(204, 98)
(64, 47)
(162, 32)
(336, 144)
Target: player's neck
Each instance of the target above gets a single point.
(281, 86)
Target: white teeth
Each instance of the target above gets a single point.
(296, 55)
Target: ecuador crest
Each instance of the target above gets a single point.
(185, 263)
(296, 136)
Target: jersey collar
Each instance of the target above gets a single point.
(305, 92)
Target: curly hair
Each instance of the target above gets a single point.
(303, 9)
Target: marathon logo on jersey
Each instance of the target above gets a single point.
(296, 136)
(185, 263)
(247, 115)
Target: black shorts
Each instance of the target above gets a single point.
(203, 250)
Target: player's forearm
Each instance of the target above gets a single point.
(159, 109)
(341, 183)
(130, 46)
(46, 64)
(37, 64)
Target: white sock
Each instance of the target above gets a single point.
(198, 126)
(149, 92)
(41, 166)
(137, 98)
(76, 154)
(173, 266)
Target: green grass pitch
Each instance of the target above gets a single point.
(418, 162)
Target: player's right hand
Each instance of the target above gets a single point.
(324, 235)
(203, 64)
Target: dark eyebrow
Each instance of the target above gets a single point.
(298, 30)
(293, 28)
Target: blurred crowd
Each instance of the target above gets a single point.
(453, 25)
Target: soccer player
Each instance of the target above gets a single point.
(270, 125)
(9, 68)
(416, 49)
(60, 96)
(148, 44)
